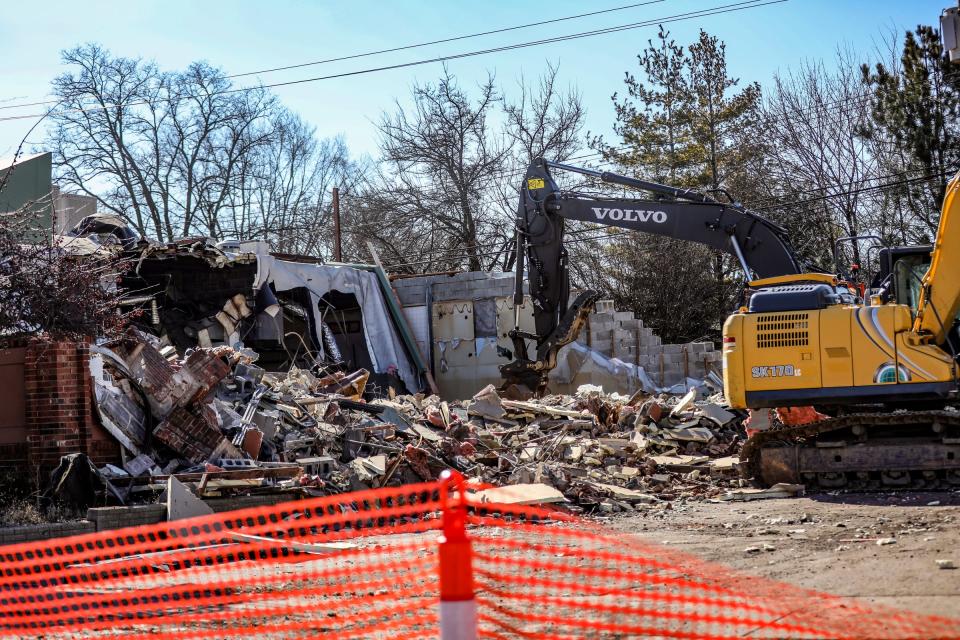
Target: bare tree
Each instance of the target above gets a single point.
(439, 157)
(284, 189)
(816, 156)
(47, 291)
(161, 149)
(545, 121)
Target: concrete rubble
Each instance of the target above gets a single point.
(251, 373)
(219, 424)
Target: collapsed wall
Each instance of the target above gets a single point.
(461, 324)
(621, 335)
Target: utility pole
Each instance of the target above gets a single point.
(337, 254)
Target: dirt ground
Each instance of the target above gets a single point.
(828, 543)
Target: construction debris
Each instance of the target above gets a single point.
(182, 504)
(779, 490)
(216, 422)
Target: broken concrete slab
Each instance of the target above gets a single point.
(182, 504)
(376, 464)
(487, 403)
(725, 464)
(622, 493)
(679, 461)
(541, 409)
(688, 434)
(716, 414)
(140, 465)
(521, 494)
(685, 403)
(779, 490)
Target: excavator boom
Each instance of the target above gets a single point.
(760, 246)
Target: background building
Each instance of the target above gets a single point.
(30, 184)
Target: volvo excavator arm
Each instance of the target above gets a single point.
(760, 246)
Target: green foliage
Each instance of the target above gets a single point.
(666, 283)
(681, 122)
(914, 109)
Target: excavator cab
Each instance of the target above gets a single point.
(901, 270)
(899, 280)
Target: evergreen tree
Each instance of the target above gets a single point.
(914, 110)
(718, 114)
(653, 119)
(681, 123)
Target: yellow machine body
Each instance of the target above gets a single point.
(842, 354)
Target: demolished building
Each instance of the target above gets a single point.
(256, 373)
(461, 323)
(291, 312)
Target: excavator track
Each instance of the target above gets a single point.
(860, 451)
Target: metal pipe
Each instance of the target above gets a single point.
(616, 178)
(743, 261)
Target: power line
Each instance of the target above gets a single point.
(444, 40)
(776, 200)
(494, 253)
(718, 10)
(840, 194)
(400, 48)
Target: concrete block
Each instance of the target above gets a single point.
(601, 336)
(606, 325)
(620, 316)
(604, 306)
(627, 354)
(118, 517)
(452, 291)
(597, 318)
(672, 348)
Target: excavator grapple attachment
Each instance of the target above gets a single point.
(532, 374)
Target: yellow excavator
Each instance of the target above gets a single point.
(863, 386)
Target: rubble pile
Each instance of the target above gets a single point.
(215, 420)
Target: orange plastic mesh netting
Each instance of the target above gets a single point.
(366, 565)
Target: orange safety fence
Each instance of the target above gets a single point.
(419, 561)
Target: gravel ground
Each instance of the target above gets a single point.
(877, 548)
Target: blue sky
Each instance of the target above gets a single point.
(241, 36)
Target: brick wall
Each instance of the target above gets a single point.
(58, 406)
(168, 388)
(187, 431)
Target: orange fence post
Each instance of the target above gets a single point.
(458, 609)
